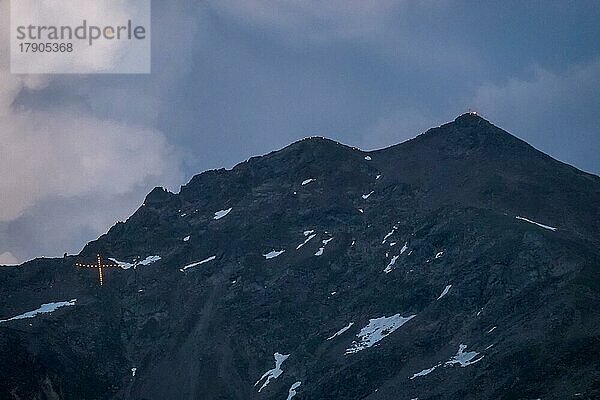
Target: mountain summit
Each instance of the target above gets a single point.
(461, 264)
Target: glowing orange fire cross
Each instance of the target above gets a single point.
(98, 265)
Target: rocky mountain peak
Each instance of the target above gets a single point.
(462, 258)
(470, 118)
(157, 195)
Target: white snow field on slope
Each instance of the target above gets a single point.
(43, 309)
(464, 359)
(145, 262)
(195, 264)
(341, 331)
(404, 248)
(385, 238)
(377, 329)
(307, 181)
(322, 249)
(390, 266)
(550, 228)
(366, 196)
(292, 391)
(220, 214)
(425, 372)
(445, 291)
(273, 373)
(122, 264)
(273, 254)
(149, 260)
(310, 235)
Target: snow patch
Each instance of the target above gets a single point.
(185, 239)
(341, 331)
(404, 248)
(438, 255)
(376, 330)
(492, 330)
(220, 214)
(273, 373)
(292, 391)
(273, 254)
(122, 264)
(389, 234)
(425, 372)
(390, 266)
(445, 292)
(368, 158)
(195, 264)
(43, 309)
(550, 228)
(133, 370)
(366, 196)
(307, 181)
(306, 241)
(145, 262)
(378, 176)
(149, 260)
(322, 249)
(462, 358)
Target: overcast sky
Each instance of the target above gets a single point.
(233, 79)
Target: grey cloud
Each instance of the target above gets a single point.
(315, 20)
(59, 224)
(399, 126)
(550, 110)
(72, 153)
(232, 79)
(7, 258)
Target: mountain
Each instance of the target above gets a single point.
(462, 264)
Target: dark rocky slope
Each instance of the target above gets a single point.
(524, 298)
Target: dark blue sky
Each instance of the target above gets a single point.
(233, 79)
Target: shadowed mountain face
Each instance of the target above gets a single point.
(462, 264)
